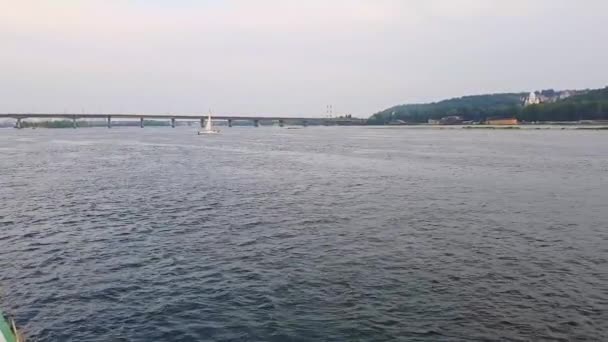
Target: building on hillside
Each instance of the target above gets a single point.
(532, 99)
(433, 122)
(566, 94)
(451, 120)
(502, 121)
(548, 96)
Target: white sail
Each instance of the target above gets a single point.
(208, 127)
(208, 123)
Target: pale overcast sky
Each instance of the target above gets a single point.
(282, 57)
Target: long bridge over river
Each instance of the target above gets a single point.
(19, 117)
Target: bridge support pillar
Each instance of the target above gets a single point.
(172, 122)
(281, 123)
(256, 123)
(18, 124)
(229, 122)
(202, 122)
(141, 122)
(74, 125)
(109, 121)
(305, 123)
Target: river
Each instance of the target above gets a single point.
(314, 234)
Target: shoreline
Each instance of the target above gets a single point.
(500, 127)
(421, 126)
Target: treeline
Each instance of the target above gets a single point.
(475, 108)
(591, 105)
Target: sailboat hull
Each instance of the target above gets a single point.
(213, 131)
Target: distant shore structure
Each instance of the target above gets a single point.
(502, 121)
(532, 99)
(549, 96)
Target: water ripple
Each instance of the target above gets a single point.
(323, 234)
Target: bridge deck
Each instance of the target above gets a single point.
(150, 116)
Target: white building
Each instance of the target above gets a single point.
(531, 99)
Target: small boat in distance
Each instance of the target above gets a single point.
(208, 127)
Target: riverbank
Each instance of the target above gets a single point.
(501, 127)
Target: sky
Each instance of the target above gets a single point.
(288, 57)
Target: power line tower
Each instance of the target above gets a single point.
(329, 111)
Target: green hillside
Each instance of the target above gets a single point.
(589, 105)
(592, 105)
(476, 107)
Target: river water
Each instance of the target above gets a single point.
(316, 234)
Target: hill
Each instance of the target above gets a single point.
(583, 105)
(476, 107)
(590, 105)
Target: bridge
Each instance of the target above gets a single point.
(19, 117)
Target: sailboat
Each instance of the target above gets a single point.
(208, 127)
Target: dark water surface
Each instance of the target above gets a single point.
(318, 234)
